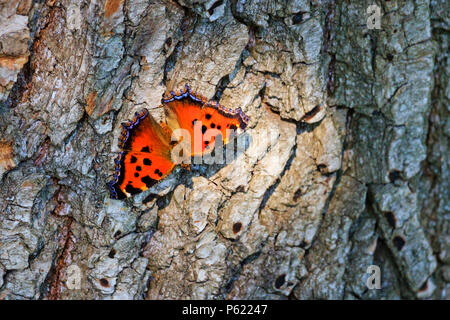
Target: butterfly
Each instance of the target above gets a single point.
(151, 150)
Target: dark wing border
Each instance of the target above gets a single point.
(119, 171)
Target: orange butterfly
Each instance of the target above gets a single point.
(148, 155)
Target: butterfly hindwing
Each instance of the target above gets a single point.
(145, 158)
(141, 171)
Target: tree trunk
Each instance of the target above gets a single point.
(346, 166)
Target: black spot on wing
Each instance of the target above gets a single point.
(132, 190)
(147, 162)
(148, 181)
(133, 159)
(145, 149)
(159, 173)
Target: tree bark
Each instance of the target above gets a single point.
(346, 165)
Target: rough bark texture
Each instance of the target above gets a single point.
(347, 164)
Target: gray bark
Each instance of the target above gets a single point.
(347, 164)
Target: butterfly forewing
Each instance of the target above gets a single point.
(203, 120)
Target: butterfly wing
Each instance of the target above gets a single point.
(203, 119)
(144, 134)
(145, 158)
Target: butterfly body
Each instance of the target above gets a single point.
(192, 124)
